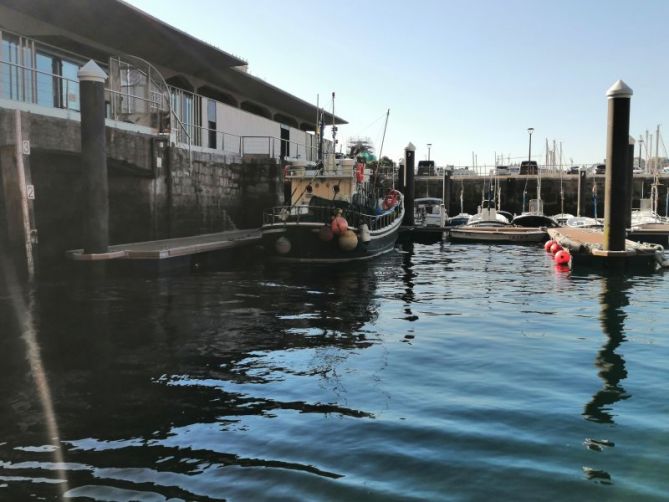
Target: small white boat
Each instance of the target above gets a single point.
(498, 234)
(584, 222)
(430, 212)
(562, 218)
(487, 217)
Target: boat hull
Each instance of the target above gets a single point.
(306, 245)
(499, 235)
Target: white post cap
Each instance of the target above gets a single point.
(410, 148)
(619, 90)
(91, 72)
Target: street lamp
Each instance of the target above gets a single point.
(640, 145)
(529, 154)
(429, 145)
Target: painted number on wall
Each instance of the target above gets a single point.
(30, 192)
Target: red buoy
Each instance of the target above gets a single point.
(339, 225)
(562, 257)
(555, 248)
(548, 245)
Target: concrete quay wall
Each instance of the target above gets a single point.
(156, 190)
(512, 187)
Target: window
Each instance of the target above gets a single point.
(47, 85)
(211, 120)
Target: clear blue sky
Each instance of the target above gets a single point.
(465, 76)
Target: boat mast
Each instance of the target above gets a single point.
(334, 127)
(655, 169)
(383, 138)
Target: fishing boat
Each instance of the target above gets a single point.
(335, 215)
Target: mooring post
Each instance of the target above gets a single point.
(409, 162)
(94, 159)
(629, 183)
(617, 146)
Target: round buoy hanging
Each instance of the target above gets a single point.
(348, 241)
(339, 224)
(562, 257)
(548, 245)
(555, 248)
(282, 245)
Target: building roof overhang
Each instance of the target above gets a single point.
(123, 28)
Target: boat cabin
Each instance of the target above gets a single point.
(338, 180)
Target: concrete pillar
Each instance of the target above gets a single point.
(617, 145)
(629, 183)
(409, 188)
(94, 159)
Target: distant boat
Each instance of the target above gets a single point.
(535, 217)
(487, 217)
(497, 234)
(430, 212)
(562, 218)
(584, 222)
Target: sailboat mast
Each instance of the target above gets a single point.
(334, 126)
(383, 138)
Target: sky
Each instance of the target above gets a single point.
(468, 77)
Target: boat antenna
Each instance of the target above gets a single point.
(334, 126)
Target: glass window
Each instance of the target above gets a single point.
(46, 83)
(70, 85)
(211, 119)
(9, 73)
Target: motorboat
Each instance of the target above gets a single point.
(430, 212)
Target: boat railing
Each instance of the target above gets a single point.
(325, 214)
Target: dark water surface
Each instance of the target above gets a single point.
(445, 372)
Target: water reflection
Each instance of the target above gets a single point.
(133, 361)
(614, 298)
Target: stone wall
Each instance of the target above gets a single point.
(156, 190)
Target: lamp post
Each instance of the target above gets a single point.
(529, 154)
(429, 145)
(640, 145)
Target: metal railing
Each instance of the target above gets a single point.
(324, 214)
(30, 85)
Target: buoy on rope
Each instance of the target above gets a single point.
(548, 245)
(555, 247)
(348, 241)
(339, 224)
(562, 257)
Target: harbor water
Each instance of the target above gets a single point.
(441, 372)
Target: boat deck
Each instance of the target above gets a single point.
(172, 248)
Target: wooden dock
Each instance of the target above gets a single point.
(173, 248)
(587, 246)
